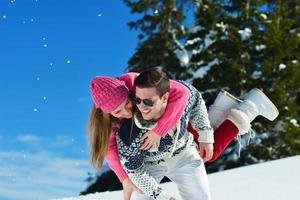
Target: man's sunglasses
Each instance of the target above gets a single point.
(147, 102)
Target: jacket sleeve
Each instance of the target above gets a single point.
(178, 97)
(112, 157)
(198, 116)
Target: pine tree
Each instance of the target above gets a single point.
(161, 29)
(246, 44)
(224, 45)
(280, 78)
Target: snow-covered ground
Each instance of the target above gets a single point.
(274, 180)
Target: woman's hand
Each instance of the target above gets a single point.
(128, 188)
(151, 140)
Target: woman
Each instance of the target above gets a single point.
(116, 106)
(103, 124)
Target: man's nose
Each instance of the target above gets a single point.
(142, 105)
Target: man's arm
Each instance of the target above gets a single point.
(198, 116)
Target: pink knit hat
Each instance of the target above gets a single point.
(108, 93)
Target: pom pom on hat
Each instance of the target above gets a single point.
(108, 93)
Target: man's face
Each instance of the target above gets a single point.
(150, 96)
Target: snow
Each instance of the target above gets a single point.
(195, 29)
(260, 47)
(264, 16)
(202, 71)
(245, 34)
(193, 41)
(256, 74)
(294, 122)
(183, 57)
(222, 26)
(281, 66)
(274, 180)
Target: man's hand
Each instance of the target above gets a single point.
(151, 140)
(128, 188)
(206, 151)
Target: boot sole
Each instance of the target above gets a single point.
(270, 103)
(232, 97)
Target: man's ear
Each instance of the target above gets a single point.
(165, 97)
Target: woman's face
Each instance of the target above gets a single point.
(124, 110)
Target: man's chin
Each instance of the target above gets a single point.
(146, 116)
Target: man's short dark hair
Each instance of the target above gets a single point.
(154, 77)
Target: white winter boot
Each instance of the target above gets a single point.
(218, 111)
(255, 103)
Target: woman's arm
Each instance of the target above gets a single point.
(112, 157)
(179, 95)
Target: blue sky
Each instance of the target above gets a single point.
(49, 51)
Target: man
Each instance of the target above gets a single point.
(176, 157)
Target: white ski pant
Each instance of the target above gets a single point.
(187, 171)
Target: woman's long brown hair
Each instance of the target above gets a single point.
(99, 129)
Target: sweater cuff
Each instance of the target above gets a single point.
(121, 174)
(163, 196)
(161, 131)
(206, 136)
